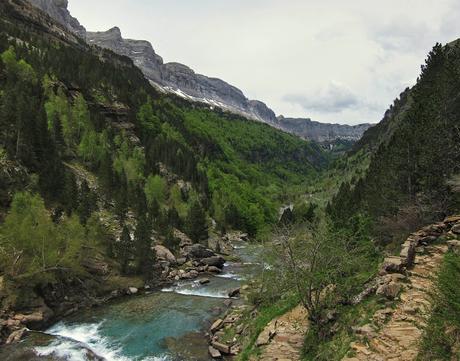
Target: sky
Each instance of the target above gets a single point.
(341, 61)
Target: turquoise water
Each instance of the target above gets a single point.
(166, 325)
(138, 328)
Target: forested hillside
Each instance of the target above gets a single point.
(94, 162)
(414, 154)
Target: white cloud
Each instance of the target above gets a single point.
(274, 48)
(332, 99)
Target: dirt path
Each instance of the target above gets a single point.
(398, 338)
(282, 338)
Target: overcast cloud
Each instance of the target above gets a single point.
(330, 60)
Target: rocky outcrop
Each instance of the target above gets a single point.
(141, 52)
(180, 79)
(321, 132)
(164, 254)
(57, 9)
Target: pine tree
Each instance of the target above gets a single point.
(124, 249)
(70, 193)
(174, 218)
(87, 202)
(197, 226)
(143, 248)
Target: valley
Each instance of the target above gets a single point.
(151, 213)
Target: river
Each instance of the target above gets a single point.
(163, 325)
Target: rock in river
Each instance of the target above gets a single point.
(234, 292)
(216, 261)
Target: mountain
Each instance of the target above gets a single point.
(179, 79)
(321, 132)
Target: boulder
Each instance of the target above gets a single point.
(225, 349)
(390, 290)
(216, 261)
(214, 269)
(204, 281)
(165, 254)
(198, 251)
(16, 336)
(181, 261)
(393, 265)
(267, 334)
(193, 273)
(214, 353)
(408, 253)
(456, 228)
(216, 326)
(132, 290)
(426, 240)
(234, 292)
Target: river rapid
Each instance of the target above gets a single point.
(166, 325)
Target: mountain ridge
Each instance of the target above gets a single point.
(173, 77)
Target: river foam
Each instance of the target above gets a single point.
(194, 288)
(74, 341)
(231, 275)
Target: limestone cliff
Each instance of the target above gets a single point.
(181, 80)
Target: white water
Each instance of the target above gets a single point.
(154, 318)
(71, 338)
(232, 276)
(194, 288)
(87, 334)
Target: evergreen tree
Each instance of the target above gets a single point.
(197, 225)
(143, 248)
(70, 193)
(174, 218)
(125, 249)
(87, 202)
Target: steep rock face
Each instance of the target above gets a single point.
(321, 132)
(140, 51)
(179, 78)
(57, 9)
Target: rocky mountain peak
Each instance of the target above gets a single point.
(58, 10)
(115, 32)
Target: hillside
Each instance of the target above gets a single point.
(103, 166)
(414, 154)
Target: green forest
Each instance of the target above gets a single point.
(98, 150)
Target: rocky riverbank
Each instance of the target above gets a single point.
(39, 308)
